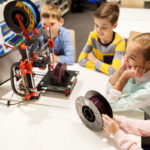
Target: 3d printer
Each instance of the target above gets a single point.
(23, 17)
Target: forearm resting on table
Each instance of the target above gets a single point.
(114, 78)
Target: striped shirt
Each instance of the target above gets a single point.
(109, 55)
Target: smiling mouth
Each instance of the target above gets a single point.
(128, 66)
(101, 34)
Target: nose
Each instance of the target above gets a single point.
(100, 29)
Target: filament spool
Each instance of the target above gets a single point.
(59, 74)
(30, 16)
(91, 107)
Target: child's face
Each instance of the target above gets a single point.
(54, 23)
(103, 28)
(134, 56)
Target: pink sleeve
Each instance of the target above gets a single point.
(124, 143)
(133, 126)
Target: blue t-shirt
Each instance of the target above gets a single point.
(63, 46)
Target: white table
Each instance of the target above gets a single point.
(134, 14)
(32, 127)
(52, 122)
(86, 80)
(133, 19)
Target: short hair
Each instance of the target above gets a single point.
(108, 10)
(51, 10)
(144, 40)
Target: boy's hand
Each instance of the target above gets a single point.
(109, 125)
(56, 58)
(92, 58)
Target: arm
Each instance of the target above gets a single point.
(136, 97)
(120, 78)
(68, 56)
(114, 78)
(83, 58)
(133, 126)
(124, 142)
(120, 137)
(110, 69)
(127, 74)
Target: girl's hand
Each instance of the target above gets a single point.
(123, 64)
(139, 71)
(134, 72)
(109, 125)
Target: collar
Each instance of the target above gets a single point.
(145, 77)
(109, 42)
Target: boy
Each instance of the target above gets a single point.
(104, 48)
(63, 46)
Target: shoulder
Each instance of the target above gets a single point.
(64, 33)
(93, 33)
(118, 36)
(63, 30)
(118, 39)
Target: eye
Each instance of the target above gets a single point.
(104, 28)
(52, 24)
(133, 58)
(44, 24)
(96, 26)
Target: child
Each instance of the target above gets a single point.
(121, 125)
(63, 46)
(129, 86)
(104, 48)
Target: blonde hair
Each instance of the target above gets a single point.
(144, 41)
(108, 10)
(51, 10)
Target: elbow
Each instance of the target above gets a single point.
(111, 71)
(82, 62)
(71, 61)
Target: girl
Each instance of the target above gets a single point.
(122, 125)
(129, 86)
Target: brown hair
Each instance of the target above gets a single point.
(51, 10)
(108, 10)
(144, 40)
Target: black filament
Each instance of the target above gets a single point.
(100, 106)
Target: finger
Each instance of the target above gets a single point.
(134, 68)
(105, 121)
(107, 117)
(143, 71)
(123, 57)
(139, 71)
(114, 116)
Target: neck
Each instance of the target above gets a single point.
(108, 39)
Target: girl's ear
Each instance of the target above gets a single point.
(148, 64)
(61, 21)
